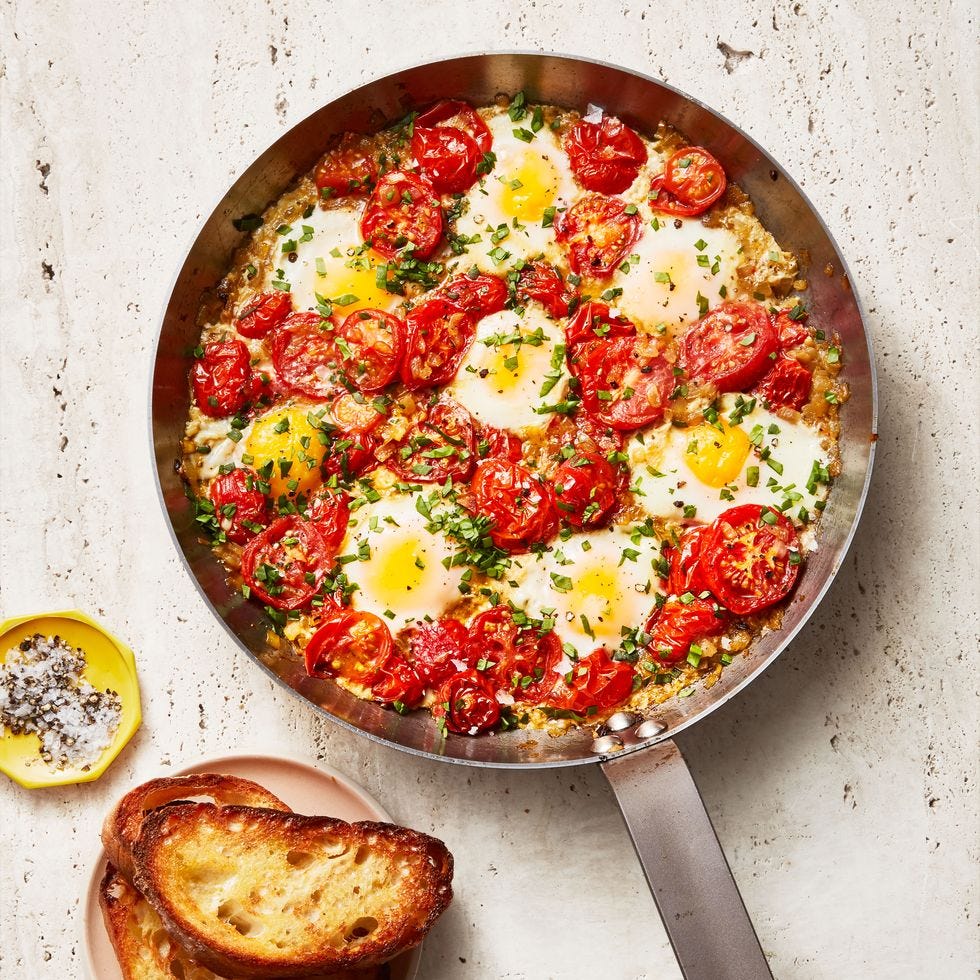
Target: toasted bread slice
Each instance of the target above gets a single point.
(260, 893)
(122, 826)
(146, 951)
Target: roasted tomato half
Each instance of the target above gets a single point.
(585, 489)
(626, 382)
(305, 355)
(263, 312)
(439, 649)
(369, 346)
(478, 295)
(605, 156)
(285, 564)
(694, 177)
(451, 112)
(468, 703)
(220, 378)
(328, 510)
(438, 335)
(241, 509)
(349, 644)
(446, 156)
(679, 622)
(729, 347)
(520, 504)
(403, 211)
(598, 233)
(440, 446)
(594, 683)
(787, 385)
(751, 558)
(348, 169)
(543, 283)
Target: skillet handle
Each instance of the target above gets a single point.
(685, 866)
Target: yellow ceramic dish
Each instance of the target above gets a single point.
(110, 664)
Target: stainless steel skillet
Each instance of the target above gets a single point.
(687, 871)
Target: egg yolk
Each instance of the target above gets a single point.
(716, 456)
(595, 593)
(395, 579)
(287, 441)
(346, 277)
(530, 189)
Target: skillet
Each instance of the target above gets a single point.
(688, 874)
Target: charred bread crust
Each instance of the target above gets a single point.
(399, 914)
(122, 826)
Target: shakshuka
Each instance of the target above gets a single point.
(514, 414)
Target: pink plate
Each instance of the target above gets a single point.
(308, 787)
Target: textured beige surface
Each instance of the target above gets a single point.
(842, 784)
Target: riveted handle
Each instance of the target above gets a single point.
(699, 902)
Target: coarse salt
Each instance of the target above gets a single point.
(42, 692)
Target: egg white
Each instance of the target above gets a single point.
(504, 383)
(509, 202)
(331, 262)
(598, 583)
(672, 272)
(667, 487)
(402, 579)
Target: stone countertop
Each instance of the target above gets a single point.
(842, 784)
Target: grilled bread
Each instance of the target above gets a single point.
(122, 826)
(260, 893)
(144, 948)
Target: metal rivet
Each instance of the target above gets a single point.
(650, 728)
(621, 720)
(608, 743)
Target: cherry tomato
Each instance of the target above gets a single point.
(787, 385)
(520, 504)
(626, 382)
(397, 682)
(751, 558)
(438, 649)
(328, 511)
(729, 347)
(285, 564)
(462, 116)
(685, 562)
(585, 488)
(694, 177)
(349, 644)
(502, 443)
(263, 312)
(370, 347)
(355, 415)
(598, 233)
(447, 156)
(347, 455)
(542, 282)
(438, 335)
(440, 446)
(792, 333)
(677, 624)
(478, 295)
(220, 378)
(593, 322)
(468, 703)
(518, 660)
(305, 355)
(348, 169)
(597, 682)
(605, 156)
(237, 502)
(402, 210)
(662, 201)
